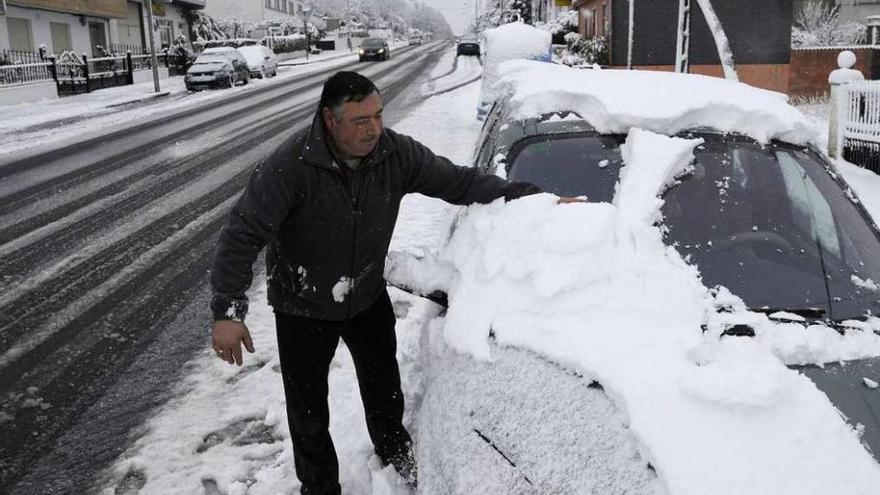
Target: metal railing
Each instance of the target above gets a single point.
(861, 124)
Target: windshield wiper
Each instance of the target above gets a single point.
(814, 313)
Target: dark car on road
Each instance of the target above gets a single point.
(221, 67)
(468, 46)
(374, 49)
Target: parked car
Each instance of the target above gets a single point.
(220, 67)
(468, 46)
(261, 61)
(759, 211)
(374, 48)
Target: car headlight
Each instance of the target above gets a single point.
(381, 50)
(361, 51)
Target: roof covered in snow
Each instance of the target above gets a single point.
(614, 101)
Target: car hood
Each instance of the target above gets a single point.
(845, 385)
(208, 67)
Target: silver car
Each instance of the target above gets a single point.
(261, 61)
(220, 67)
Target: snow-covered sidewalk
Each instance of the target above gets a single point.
(27, 125)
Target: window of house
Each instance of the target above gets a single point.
(20, 35)
(60, 37)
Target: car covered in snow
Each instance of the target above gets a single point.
(220, 67)
(261, 61)
(375, 49)
(703, 323)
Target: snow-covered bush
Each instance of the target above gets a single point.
(201, 44)
(286, 44)
(819, 24)
(563, 24)
(584, 51)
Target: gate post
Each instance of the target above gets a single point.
(86, 73)
(130, 67)
(837, 100)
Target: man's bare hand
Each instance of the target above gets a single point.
(227, 338)
(565, 200)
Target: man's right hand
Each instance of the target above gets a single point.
(227, 338)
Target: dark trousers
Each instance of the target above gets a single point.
(306, 347)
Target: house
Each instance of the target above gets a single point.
(82, 25)
(545, 10)
(171, 18)
(261, 17)
(758, 31)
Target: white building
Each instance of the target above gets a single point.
(169, 19)
(258, 12)
(82, 25)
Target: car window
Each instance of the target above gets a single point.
(568, 165)
(770, 224)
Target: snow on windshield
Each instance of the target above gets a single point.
(592, 287)
(614, 101)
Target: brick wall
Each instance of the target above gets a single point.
(774, 77)
(810, 68)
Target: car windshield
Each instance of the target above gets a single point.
(212, 58)
(373, 42)
(767, 222)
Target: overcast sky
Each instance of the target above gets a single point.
(459, 13)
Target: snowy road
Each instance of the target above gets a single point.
(105, 245)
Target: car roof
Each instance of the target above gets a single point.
(615, 101)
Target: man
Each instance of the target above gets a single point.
(326, 202)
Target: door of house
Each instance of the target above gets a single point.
(97, 36)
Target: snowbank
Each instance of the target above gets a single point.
(509, 42)
(615, 101)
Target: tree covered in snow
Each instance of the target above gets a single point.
(498, 12)
(204, 27)
(399, 15)
(818, 24)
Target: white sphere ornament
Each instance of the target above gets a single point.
(846, 59)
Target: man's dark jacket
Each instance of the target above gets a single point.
(328, 231)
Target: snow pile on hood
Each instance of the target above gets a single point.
(508, 42)
(592, 287)
(614, 101)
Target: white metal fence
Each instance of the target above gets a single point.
(860, 124)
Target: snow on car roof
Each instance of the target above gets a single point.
(615, 101)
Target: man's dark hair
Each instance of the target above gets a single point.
(345, 86)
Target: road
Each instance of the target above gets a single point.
(105, 249)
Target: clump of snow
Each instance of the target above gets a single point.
(870, 383)
(508, 42)
(865, 284)
(592, 287)
(615, 101)
(341, 289)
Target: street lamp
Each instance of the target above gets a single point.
(306, 12)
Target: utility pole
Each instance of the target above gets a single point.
(155, 61)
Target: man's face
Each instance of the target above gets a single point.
(356, 130)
